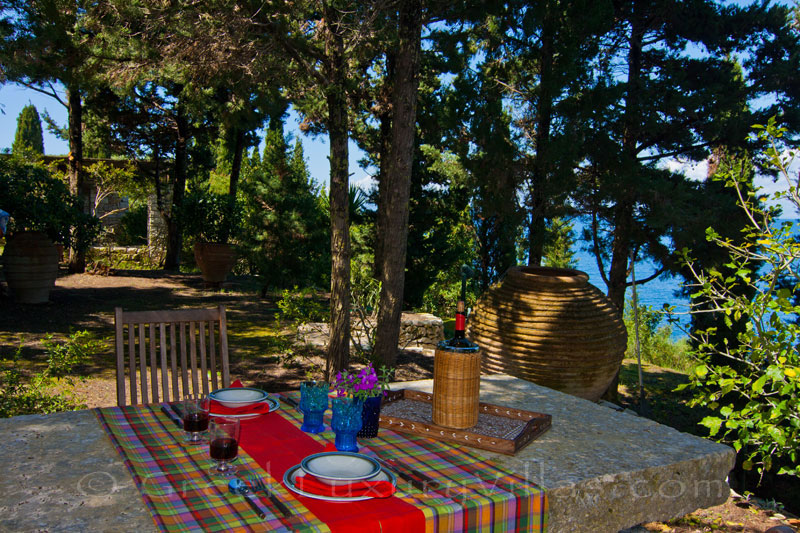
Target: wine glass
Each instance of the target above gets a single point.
(223, 438)
(195, 417)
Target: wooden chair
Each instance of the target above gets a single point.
(171, 328)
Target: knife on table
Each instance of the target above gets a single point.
(172, 416)
(416, 483)
(291, 401)
(429, 481)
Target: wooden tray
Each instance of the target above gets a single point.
(522, 428)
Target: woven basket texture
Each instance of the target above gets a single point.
(456, 388)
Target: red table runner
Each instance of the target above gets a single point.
(277, 445)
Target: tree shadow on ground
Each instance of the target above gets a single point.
(664, 404)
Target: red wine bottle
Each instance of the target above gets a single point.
(459, 340)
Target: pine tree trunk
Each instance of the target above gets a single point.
(394, 215)
(233, 186)
(623, 216)
(172, 260)
(544, 117)
(339, 341)
(77, 187)
(385, 117)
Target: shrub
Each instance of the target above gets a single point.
(132, 229)
(301, 306)
(655, 342)
(63, 356)
(210, 217)
(37, 201)
(754, 392)
(35, 397)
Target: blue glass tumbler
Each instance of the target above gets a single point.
(346, 422)
(370, 417)
(313, 404)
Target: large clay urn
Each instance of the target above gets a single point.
(215, 260)
(552, 327)
(30, 264)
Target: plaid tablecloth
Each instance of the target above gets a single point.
(182, 495)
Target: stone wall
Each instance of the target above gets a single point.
(417, 331)
(156, 225)
(111, 209)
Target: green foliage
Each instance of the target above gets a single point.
(655, 342)
(62, 356)
(365, 292)
(558, 244)
(19, 396)
(28, 138)
(37, 201)
(754, 395)
(442, 295)
(301, 306)
(286, 238)
(441, 236)
(132, 228)
(210, 217)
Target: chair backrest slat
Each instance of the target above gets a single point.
(203, 364)
(119, 345)
(143, 363)
(153, 364)
(132, 354)
(173, 358)
(184, 363)
(193, 353)
(162, 332)
(164, 349)
(212, 356)
(223, 347)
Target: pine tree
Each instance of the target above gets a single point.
(286, 238)
(28, 138)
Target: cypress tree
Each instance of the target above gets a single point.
(28, 137)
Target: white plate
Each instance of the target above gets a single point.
(238, 396)
(273, 406)
(340, 468)
(295, 471)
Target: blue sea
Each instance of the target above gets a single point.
(655, 293)
(662, 290)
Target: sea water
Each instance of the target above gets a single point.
(664, 289)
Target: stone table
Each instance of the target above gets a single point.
(61, 473)
(603, 470)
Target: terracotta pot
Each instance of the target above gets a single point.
(30, 263)
(552, 327)
(215, 260)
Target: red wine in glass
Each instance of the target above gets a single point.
(224, 449)
(195, 422)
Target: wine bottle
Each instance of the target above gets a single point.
(459, 341)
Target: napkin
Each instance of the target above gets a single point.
(374, 489)
(219, 409)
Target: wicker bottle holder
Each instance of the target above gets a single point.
(456, 386)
